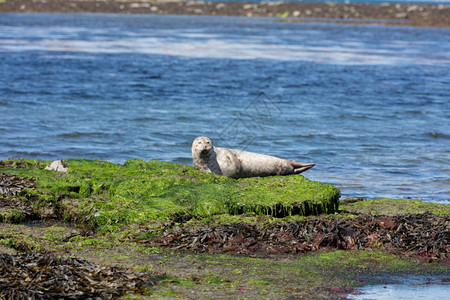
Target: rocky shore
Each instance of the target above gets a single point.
(163, 230)
(388, 14)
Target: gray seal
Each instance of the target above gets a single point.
(240, 164)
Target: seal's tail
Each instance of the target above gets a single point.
(301, 167)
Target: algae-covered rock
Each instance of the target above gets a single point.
(111, 194)
(41, 276)
(386, 206)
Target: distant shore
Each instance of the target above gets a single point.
(429, 15)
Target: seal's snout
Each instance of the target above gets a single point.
(205, 150)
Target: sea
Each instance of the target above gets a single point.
(369, 103)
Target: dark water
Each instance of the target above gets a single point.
(370, 105)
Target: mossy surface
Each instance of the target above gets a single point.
(386, 206)
(328, 275)
(109, 195)
(132, 205)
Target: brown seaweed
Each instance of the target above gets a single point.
(11, 185)
(423, 235)
(41, 276)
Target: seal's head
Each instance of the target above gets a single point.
(201, 146)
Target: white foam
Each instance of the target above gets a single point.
(293, 45)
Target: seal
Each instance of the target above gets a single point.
(240, 164)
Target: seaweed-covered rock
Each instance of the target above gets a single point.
(40, 276)
(421, 235)
(108, 195)
(11, 185)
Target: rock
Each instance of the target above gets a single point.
(296, 13)
(140, 5)
(247, 6)
(41, 276)
(412, 8)
(58, 166)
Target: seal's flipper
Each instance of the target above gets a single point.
(301, 167)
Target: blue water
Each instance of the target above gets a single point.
(406, 287)
(369, 104)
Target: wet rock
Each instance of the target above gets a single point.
(437, 14)
(412, 8)
(11, 185)
(40, 276)
(139, 5)
(425, 235)
(401, 15)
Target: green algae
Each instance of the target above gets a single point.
(109, 195)
(11, 215)
(200, 275)
(386, 206)
(328, 275)
(125, 200)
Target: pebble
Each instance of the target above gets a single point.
(412, 8)
(249, 6)
(139, 5)
(220, 5)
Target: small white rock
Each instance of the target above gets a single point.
(58, 166)
(412, 8)
(220, 5)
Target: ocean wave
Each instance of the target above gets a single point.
(438, 135)
(82, 134)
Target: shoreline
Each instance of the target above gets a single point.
(425, 15)
(85, 229)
